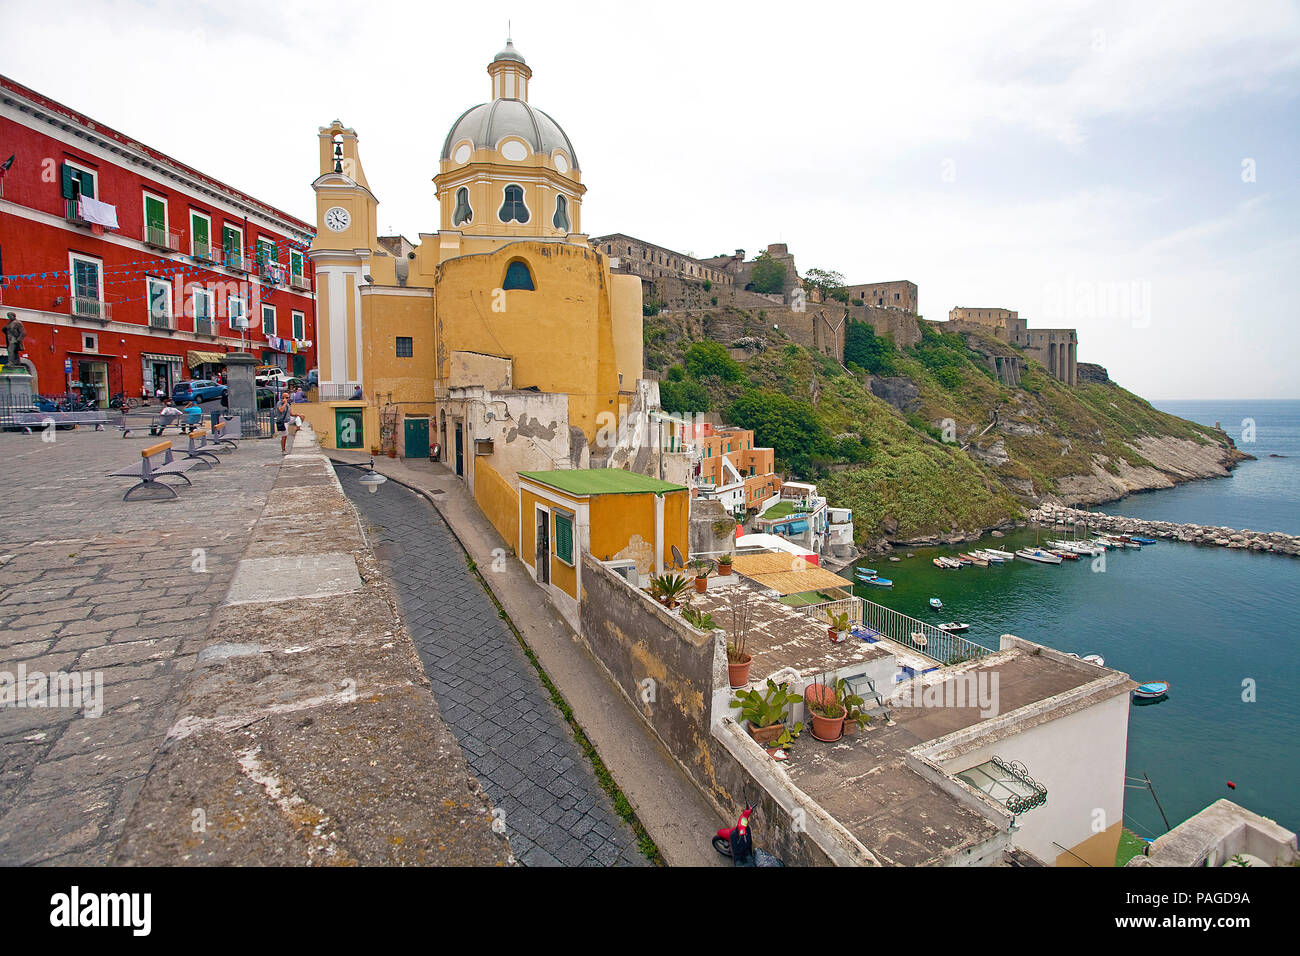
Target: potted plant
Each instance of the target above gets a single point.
(854, 717)
(374, 451)
(668, 588)
(701, 567)
(699, 620)
(738, 657)
(763, 710)
(785, 741)
(827, 711)
(839, 626)
(724, 565)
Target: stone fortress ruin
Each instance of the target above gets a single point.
(715, 287)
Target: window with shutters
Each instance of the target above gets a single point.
(155, 220)
(200, 235)
(232, 242)
(564, 535)
(78, 181)
(160, 303)
(268, 320)
(295, 263)
(298, 323)
(518, 276)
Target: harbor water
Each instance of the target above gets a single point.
(1218, 624)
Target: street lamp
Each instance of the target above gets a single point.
(372, 479)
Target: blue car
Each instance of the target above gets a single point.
(199, 390)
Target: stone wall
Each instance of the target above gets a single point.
(676, 678)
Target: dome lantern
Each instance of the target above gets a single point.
(510, 74)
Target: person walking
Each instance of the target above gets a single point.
(283, 415)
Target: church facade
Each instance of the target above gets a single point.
(503, 337)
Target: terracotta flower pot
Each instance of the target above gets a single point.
(724, 570)
(828, 728)
(765, 735)
(701, 585)
(738, 674)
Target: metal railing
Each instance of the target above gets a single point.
(300, 282)
(336, 391)
(162, 238)
(236, 262)
(160, 320)
(86, 307)
(202, 250)
(923, 638)
(205, 326)
(72, 211)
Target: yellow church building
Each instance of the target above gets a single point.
(501, 342)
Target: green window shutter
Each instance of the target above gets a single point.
(155, 213)
(69, 175)
(564, 537)
(87, 184)
(298, 326)
(199, 229)
(268, 320)
(295, 263)
(231, 241)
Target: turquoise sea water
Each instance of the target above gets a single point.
(1205, 619)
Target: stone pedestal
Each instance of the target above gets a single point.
(243, 389)
(15, 387)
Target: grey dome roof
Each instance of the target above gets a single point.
(487, 123)
(509, 53)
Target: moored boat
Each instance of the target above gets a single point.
(954, 627)
(1094, 659)
(877, 581)
(1143, 540)
(936, 604)
(1152, 690)
(1039, 555)
(974, 559)
(1064, 554)
(989, 556)
(865, 572)
(1004, 555)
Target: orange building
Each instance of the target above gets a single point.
(732, 469)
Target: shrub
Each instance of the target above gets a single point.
(949, 377)
(679, 397)
(768, 275)
(867, 350)
(711, 358)
(790, 427)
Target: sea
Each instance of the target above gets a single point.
(1220, 625)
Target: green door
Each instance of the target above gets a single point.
(417, 438)
(155, 220)
(199, 235)
(299, 366)
(347, 428)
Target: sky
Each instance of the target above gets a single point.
(1129, 170)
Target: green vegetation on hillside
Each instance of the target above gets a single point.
(938, 463)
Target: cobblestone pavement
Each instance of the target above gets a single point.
(515, 739)
(93, 585)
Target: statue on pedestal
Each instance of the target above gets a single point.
(14, 336)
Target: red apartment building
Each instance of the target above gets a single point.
(192, 269)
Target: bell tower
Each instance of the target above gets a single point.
(346, 232)
(510, 74)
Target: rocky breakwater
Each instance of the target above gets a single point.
(1277, 542)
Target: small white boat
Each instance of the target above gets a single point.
(947, 564)
(1094, 659)
(1004, 555)
(1039, 555)
(936, 604)
(1076, 547)
(954, 627)
(989, 556)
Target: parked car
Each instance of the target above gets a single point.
(198, 390)
(267, 397)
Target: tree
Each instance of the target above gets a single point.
(790, 427)
(767, 276)
(679, 397)
(830, 284)
(711, 358)
(865, 349)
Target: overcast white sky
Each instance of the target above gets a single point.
(1079, 162)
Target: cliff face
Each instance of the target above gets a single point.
(948, 451)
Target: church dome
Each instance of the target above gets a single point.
(509, 53)
(487, 124)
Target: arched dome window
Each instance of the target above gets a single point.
(561, 220)
(513, 209)
(518, 276)
(463, 211)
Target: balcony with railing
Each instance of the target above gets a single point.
(236, 262)
(301, 283)
(72, 212)
(204, 325)
(202, 250)
(89, 307)
(160, 238)
(161, 320)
